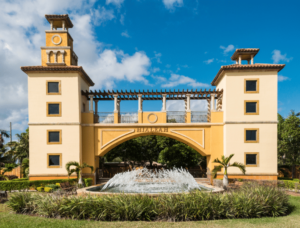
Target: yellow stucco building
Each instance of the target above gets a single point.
(65, 125)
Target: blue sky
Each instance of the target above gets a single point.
(149, 44)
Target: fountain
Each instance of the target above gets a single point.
(151, 181)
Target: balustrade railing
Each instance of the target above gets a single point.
(129, 117)
(104, 117)
(198, 116)
(175, 117)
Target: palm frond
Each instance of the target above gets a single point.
(215, 170)
(227, 160)
(84, 165)
(71, 163)
(218, 161)
(241, 166)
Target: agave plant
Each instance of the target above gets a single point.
(78, 170)
(225, 163)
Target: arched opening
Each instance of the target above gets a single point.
(153, 152)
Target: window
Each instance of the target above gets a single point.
(54, 161)
(53, 109)
(251, 135)
(251, 159)
(251, 107)
(54, 137)
(252, 85)
(53, 87)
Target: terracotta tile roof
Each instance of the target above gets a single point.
(50, 17)
(59, 68)
(244, 51)
(257, 66)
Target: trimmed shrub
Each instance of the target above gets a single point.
(40, 189)
(20, 179)
(251, 201)
(88, 182)
(58, 184)
(53, 186)
(47, 189)
(10, 177)
(37, 183)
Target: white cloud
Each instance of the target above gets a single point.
(282, 78)
(172, 4)
(115, 2)
(157, 56)
(159, 79)
(277, 57)
(176, 80)
(102, 14)
(227, 49)
(125, 33)
(155, 69)
(23, 26)
(122, 19)
(209, 61)
(178, 105)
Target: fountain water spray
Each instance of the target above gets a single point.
(152, 181)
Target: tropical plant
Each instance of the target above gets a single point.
(78, 170)
(19, 149)
(225, 163)
(3, 134)
(25, 167)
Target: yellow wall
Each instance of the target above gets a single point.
(161, 117)
(64, 39)
(59, 59)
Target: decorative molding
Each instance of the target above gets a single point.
(257, 85)
(59, 42)
(101, 136)
(251, 122)
(55, 64)
(199, 129)
(156, 118)
(257, 159)
(60, 160)
(151, 125)
(59, 87)
(60, 47)
(54, 123)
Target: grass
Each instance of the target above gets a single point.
(8, 219)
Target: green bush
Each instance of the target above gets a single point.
(53, 186)
(88, 181)
(20, 179)
(24, 185)
(47, 189)
(251, 201)
(40, 189)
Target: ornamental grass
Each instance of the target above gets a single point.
(250, 201)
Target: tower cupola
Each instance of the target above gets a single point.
(244, 54)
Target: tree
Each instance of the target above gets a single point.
(78, 170)
(3, 134)
(19, 149)
(25, 167)
(225, 163)
(289, 141)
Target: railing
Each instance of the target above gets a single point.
(129, 117)
(104, 117)
(176, 117)
(198, 116)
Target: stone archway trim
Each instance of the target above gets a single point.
(199, 129)
(127, 133)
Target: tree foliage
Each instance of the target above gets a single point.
(289, 140)
(19, 149)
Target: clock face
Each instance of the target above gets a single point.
(56, 39)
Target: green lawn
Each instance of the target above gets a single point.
(8, 219)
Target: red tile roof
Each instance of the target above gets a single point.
(50, 17)
(244, 51)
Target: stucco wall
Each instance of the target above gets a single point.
(38, 148)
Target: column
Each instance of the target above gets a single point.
(252, 59)
(115, 103)
(140, 103)
(96, 117)
(63, 25)
(51, 25)
(91, 103)
(240, 59)
(48, 55)
(188, 109)
(116, 109)
(62, 52)
(55, 56)
(213, 102)
(164, 96)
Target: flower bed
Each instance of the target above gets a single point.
(251, 201)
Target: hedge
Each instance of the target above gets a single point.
(289, 184)
(251, 201)
(24, 185)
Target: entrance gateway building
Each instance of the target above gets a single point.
(65, 125)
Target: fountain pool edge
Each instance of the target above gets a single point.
(87, 191)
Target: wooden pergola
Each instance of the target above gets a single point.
(153, 95)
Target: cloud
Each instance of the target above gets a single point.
(172, 4)
(155, 69)
(159, 79)
(125, 33)
(227, 49)
(122, 19)
(277, 57)
(282, 78)
(157, 56)
(178, 105)
(23, 26)
(117, 3)
(176, 80)
(102, 14)
(209, 61)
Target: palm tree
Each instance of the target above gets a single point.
(224, 163)
(78, 170)
(25, 167)
(19, 149)
(3, 133)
